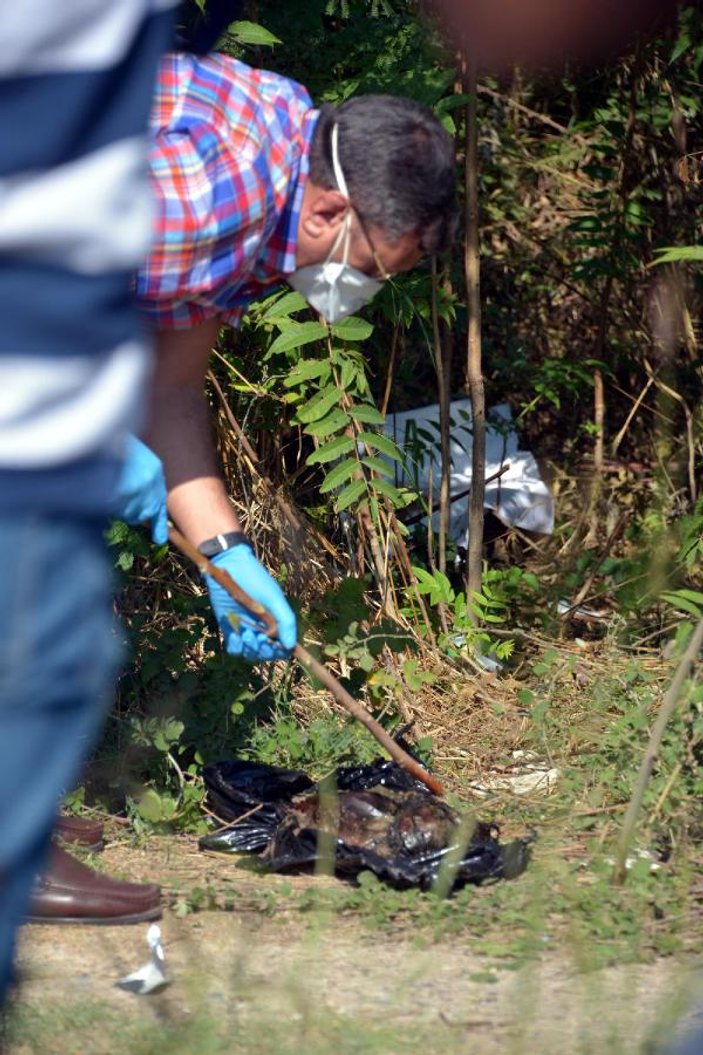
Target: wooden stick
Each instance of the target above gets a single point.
(308, 662)
(396, 752)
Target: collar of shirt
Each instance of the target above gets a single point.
(277, 255)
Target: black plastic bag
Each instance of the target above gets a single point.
(383, 820)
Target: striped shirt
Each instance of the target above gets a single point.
(76, 83)
(229, 161)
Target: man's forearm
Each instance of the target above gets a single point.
(180, 432)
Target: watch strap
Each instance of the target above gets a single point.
(219, 543)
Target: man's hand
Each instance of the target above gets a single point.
(243, 633)
(141, 490)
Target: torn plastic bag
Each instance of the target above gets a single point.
(515, 491)
(383, 820)
(253, 795)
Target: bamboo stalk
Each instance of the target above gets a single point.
(472, 271)
(442, 356)
(308, 662)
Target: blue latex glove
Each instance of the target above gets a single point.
(243, 633)
(141, 490)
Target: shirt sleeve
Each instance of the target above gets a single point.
(210, 220)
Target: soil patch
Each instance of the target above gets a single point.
(275, 978)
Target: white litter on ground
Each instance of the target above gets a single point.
(637, 855)
(151, 977)
(519, 497)
(529, 776)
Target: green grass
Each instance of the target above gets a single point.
(93, 1029)
(284, 1019)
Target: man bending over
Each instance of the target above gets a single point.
(256, 187)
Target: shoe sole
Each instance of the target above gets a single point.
(100, 921)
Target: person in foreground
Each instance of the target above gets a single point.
(74, 223)
(76, 83)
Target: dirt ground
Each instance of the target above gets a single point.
(401, 991)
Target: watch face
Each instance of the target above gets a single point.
(211, 547)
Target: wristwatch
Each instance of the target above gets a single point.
(212, 546)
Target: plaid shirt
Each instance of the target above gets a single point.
(229, 162)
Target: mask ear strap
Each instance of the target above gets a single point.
(336, 167)
(342, 188)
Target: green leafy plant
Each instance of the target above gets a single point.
(468, 620)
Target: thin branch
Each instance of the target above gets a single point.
(475, 376)
(633, 410)
(535, 115)
(668, 708)
(390, 374)
(433, 507)
(442, 359)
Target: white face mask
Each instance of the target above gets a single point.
(334, 288)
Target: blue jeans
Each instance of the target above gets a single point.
(58, 658)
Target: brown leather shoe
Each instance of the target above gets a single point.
(81, 831)
(70, 892)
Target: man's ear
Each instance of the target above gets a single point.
(323, 211)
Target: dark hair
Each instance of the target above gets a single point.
(399, 165)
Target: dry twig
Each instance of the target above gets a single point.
(668, 707)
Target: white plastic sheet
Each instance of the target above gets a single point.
(519, 497)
